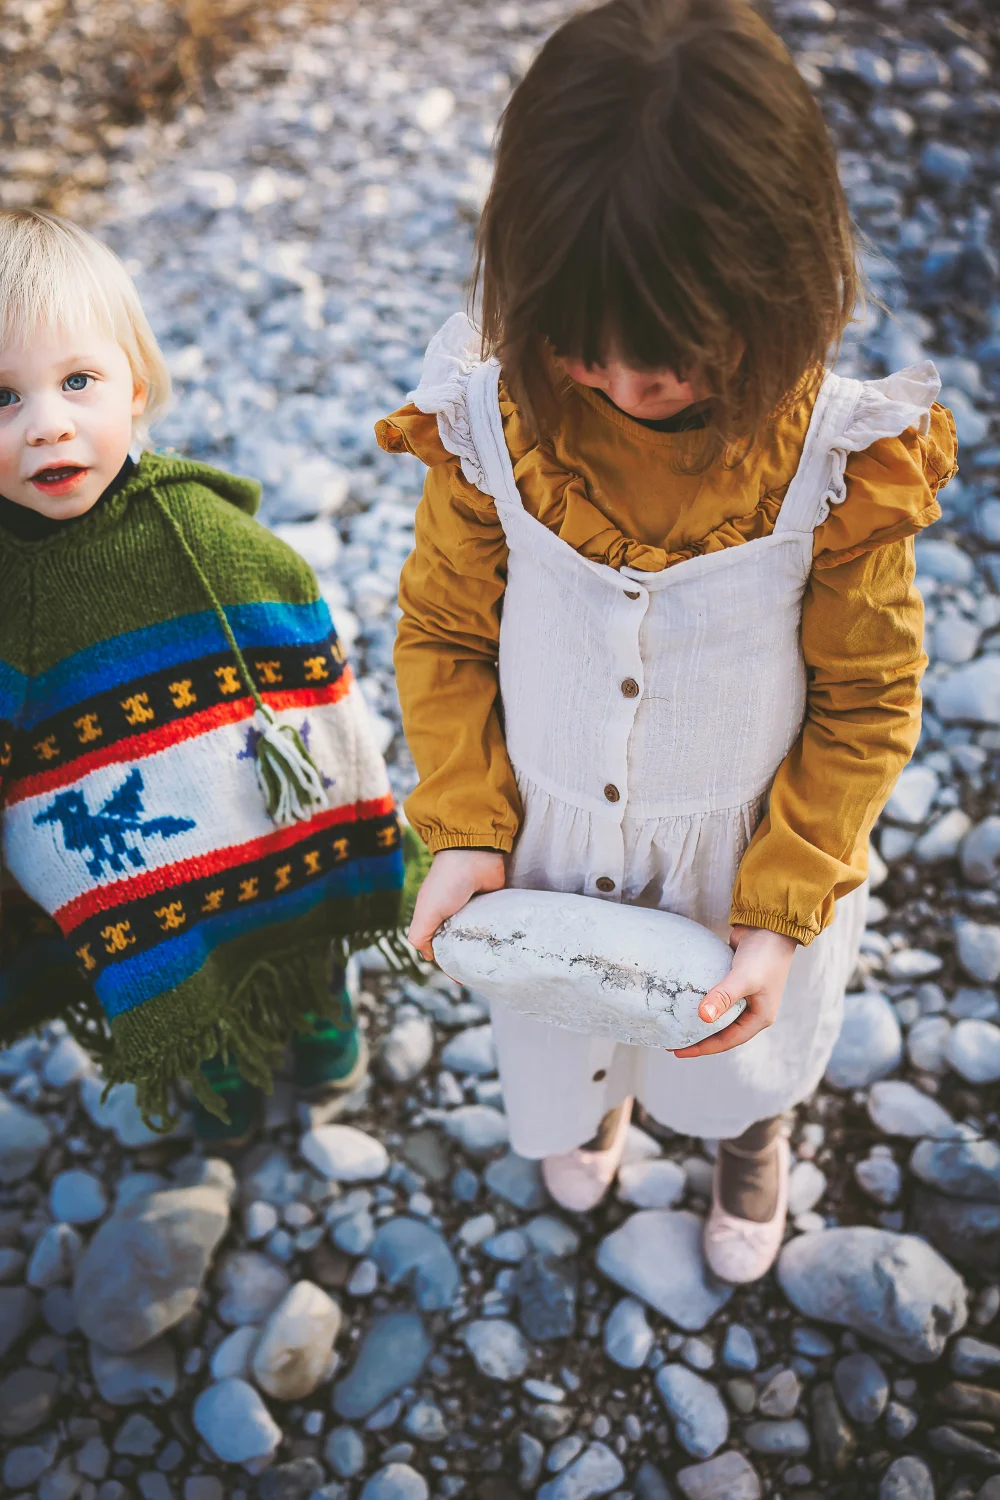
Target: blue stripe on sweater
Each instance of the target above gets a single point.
(128, 984)
(135, 654)
(13, 691)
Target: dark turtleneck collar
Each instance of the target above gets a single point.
(31, 526)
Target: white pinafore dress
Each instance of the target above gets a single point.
(645, 716)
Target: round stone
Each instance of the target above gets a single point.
(77, 1197)
(341, 1153)
(980, 852)
(862, 1387)
(907, 1478)
(700, 1418)
(396, 1482)
(870, 1043)
(978, 947)
(628, 1337)
(407, 1049)
(235, 1423)
(499, 1349)
(973, 1050)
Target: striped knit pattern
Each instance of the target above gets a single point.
(132, 814)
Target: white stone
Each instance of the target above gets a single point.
(407, 1048)
(317, 541)
(66, 1063)
(651, 1184)
(77, 1197)
(499, 1348)
(657, 1256)
(471, 1051)
(881, 1178)
(478, 1128)
(893, 1288)
(296, 1343)
(970, 694)
(700, 1418)
(728, 1476)
(954, 639)
(341, 1153)
(596, 1472)
(943, 561)
(943, 837)
(250, 1286)
(878, 870)
(980, 852)
(870, 1043)
(896, 843)
(626, 972)
(261, 1219)
(628, 1337)
(118, 1113)
(978, 947)
(897, 1108)
(23, 1138)
(235, 1423)
(927, 1043)
(912, 963)
(913, 795)
(54, 1257)
(973, 1051)
(231, 1359)
(806, 1186)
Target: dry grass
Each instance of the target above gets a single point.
(76, 75)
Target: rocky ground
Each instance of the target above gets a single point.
(382, 1305)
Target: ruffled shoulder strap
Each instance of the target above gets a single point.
(453, 354)
(848, 417)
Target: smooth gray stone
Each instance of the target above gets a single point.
(77, 1197)
(870, 1043)
(143, 1270)
(728, 1476)
(393, 1352)
(23, 1138)
(546, 1290)
(426, 1422)
(835, 1440)
(18, 1313)
(396, 1482)
(407, 1048)
(471, 1052)
(411, 1252)
(980, 852)
(891, 1288)
(862, 1386)
(649, 1483)
(965, 1231)
(249, 1287)
(739, 1352)
(297, 1480)
(656, 1255)
(345, 1452)
(973, 1049)
(27, 1399)
(907, 1478)
(628, 1337)
(596, 1472)
(701, 1420)
(972, 1358)
(960, 1168)
(138, 1437)
(789, 1437)
(149, 1374)
(235, 1423)
(499, 1349)
(898, 1108)
(518, 1181)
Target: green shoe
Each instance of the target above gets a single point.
(244, 1104)
(332, 1056)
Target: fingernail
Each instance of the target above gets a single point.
(711, 1011)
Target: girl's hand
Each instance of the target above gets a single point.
(760, 967)
(453, 879)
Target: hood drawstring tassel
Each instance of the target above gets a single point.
(289, 779)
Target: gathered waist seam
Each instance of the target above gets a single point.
(630, 812)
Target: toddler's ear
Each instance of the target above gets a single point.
(140, 395)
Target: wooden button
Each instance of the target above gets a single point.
(600, 1075)
(605, 883)
(630, 688)
(629, 594)
(612, 793)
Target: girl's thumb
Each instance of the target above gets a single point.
(718, 1000)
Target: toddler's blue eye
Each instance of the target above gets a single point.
(7, 398)
(76, 382)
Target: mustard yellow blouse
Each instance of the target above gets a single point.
(616, 492)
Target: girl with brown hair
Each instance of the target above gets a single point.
(660, 641)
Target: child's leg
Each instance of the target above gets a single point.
(243, 1101)
(579, 1179)
(332, 1056)
(744, 1230)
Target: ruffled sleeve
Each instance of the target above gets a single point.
(897, 450)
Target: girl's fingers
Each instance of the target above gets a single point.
(721, 997)
(735, 1034)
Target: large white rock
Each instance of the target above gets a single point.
(295, 1347)
(625, 972)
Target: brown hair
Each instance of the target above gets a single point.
(666, 190)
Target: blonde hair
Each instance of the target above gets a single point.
(53, 273)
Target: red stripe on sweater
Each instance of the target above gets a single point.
(168, 877)
(141, 745)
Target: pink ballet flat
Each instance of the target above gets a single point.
(738, 1250)
(579, 1179)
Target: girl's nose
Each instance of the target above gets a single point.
(632, 388)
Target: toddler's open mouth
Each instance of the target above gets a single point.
(58, 479)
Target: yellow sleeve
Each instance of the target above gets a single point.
(450, 594)
(862, 634)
